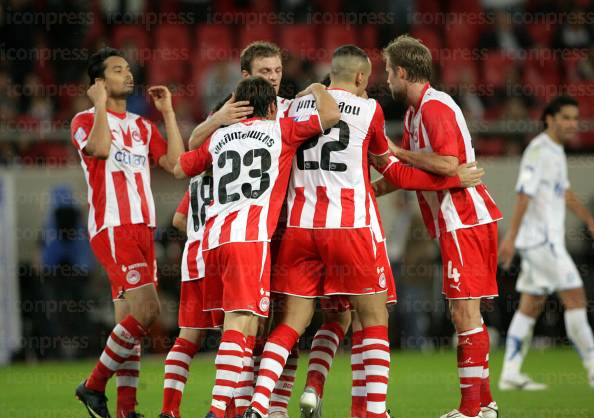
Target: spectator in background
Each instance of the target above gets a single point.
(469, 101)
(505, 36)
(585, 68)
(574, 33)
(66, 263)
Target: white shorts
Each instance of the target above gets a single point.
(546, 269)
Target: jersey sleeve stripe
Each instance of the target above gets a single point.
(321, 209)
(347, 201)
(253, 223)
(121, 190)
(143, 202)
(297, 208)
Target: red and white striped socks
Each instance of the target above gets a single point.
(177, 369)
(229, 364)
(245, 385)
(276, 351)
(486, 396)
(358, 391)
(376, 361)
(323, 350)
(279, 400)
(473, 348)
(127, 383)
(120, 345)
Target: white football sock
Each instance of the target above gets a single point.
(580, 334)
(518, 341)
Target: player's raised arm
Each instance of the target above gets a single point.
(99, 140)
(574, 204)
(231, 112)
(175, 146)
(325, 104)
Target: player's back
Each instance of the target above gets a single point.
(330, 185)
(543, 176)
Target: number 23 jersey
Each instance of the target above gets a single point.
(251, 163)
(329, 186)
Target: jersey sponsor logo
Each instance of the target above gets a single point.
(128, 158)
(133, 276)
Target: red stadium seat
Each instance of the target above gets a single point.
(249, 34)
(542, 33)
(172, 36)
(430, 38)
(164, 71)
(137, 34)
(541, 73)
(461, 36)
(429, 7)
(214, 42)
(368, 37)
(496, 67)
(455, 69)
(300, 40)
(334, 36)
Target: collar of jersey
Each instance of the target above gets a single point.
(249, 121)
(337, 88)
(120, 115)
(425, 88)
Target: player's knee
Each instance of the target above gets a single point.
(464, 318)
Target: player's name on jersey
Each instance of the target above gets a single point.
(252, 134)
(342, 106)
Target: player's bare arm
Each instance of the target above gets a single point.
(178, 172)
(507, 248)
(325, 104)
(443, 165)
(179, 221)
(231, 112)
(175, 146)
(99, 141)
(575, 204)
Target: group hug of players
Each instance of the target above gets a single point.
(259, 156)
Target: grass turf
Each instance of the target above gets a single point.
(421, 385)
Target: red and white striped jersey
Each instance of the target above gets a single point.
(282, 106)
(437, 125)
(119, 187)
(330, 184)
(193, 205)
(251, 163)
(376, 225)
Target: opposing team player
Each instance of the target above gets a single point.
(116, 148)
(537, 230)
(437, 139)
(251, 163)
(192, 319)
(328, 206)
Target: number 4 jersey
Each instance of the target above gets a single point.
(251, 162)
(330, 185)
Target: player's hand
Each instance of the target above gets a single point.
(506, 252)
(470, 175)
(232, 112)
(98, 93)
(310, 89)
(161, 98)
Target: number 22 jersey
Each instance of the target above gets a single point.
(251, 162)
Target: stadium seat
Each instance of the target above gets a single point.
(164, 71)
(300, 40)
(541, 33)
(334, 36)
(453, 69)
(213, 42)
(172, 36)
(429, 7)
(461, 36)
(124, 33)
(262, 32)
(368, 37)
(541, 73)
(496, 68)
(430, 38)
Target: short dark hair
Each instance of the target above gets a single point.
(412, 55)
(555, 105)
(343, 69)
(258, 49)
(258, 91)
(96, 68)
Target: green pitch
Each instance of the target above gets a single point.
(421, 385)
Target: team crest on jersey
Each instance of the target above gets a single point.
(381, 277)
(133, 276)
(265, 304)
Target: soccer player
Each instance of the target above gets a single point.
(193, 320)
(437, 139)
(328, 206)
(116, 148)
(537, 231)
(251, 163)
